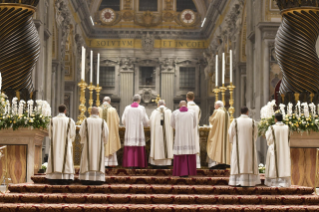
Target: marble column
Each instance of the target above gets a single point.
(167, 88)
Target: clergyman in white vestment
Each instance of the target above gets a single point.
(111, 117)
(94, 134)
(278, 163)
(190, 97)
(134, 119)
(161, 148)
(62, 133)
(184, 122)
(243, 133)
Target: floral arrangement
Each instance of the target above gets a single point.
(303, 119)
(23, 114)
(261, 168)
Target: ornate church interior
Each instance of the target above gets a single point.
(254, 54)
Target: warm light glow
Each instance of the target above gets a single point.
(223, 73)
(91, 67)
(216, 71)
(203, 23)
(231, 65)
(92, 20)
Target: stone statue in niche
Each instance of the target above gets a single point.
(148, 43)
(147, 95)
(168, 64)
(127, 64)
(210, 59)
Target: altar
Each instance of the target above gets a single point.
(77, 147)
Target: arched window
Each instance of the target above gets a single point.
(113, 4)
(185, 4)
(148, 5)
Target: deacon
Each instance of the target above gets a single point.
(277, 173)
(184, 122)
(243, 133)
(161, 149)
(94, 135)
(110, 115)
(60, 169)
(190, 97)
(218, 146)
(134, 119)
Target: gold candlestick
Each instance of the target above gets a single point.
(216, 91)
(231, 109)
(98, 89)
(82, 106)
(223, 90)
(91, 88)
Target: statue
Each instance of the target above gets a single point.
(210, 59)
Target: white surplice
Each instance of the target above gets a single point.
(278, 163)
(94, 134)
(161, 149)
(60, 162)
(134, 119)
(183, 122)
(243, 163)
(193, 106)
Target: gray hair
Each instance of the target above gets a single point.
(219, 103)
(161, 102)
(136, 98)
(107, 99)
(95, 111)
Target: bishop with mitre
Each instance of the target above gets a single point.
(60, 169)
(218, 146)
(190, 97)
(161, 149)
(278, 163)
(184, 121)
(135, 119)
(110, 115)
(94, 135)
(243, 134)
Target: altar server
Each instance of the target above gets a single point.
(184, 121)
(190, 97)
(110, 115)
(60, 164)
(278, 164)
(161, 149)
(218, 146)
(94, 135)
(243, 134)
(135, 119)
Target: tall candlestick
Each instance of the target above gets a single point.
(83, 64)
(231, 65)
(98, 69)
(223, 73)
(216, 71)
(91, 67)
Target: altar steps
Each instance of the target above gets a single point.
(159, 189)
(87, 198)
(151, 208)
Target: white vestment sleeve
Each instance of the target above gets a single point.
(145, 119)
(173, 120)
(50, 135)
(269, 137)
(195, 120)
(256, 131)
(105, 133)
(72, 130)
(232, 132)
(124, 116)
(82, 132)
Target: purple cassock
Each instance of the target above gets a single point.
(184, 155)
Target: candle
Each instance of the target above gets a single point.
(216, 71)
(223, 73)
(98, 69)
(231, 65)
(83, 64)
(91, 67)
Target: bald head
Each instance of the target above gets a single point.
(107, 99)
(182, 103)
(95, 111)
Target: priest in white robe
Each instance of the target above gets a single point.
(62, 133)
(161, 148)
(184, 121)
(94, 135)
(218, 146)
(278, 163)
(135, 119)
(190, 97)
(243, 133)
(110, 115)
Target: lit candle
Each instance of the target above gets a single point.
(223, 74)
(91, 67)
(83, 64)
(216, 71)
(98, 69)
(231, 65)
